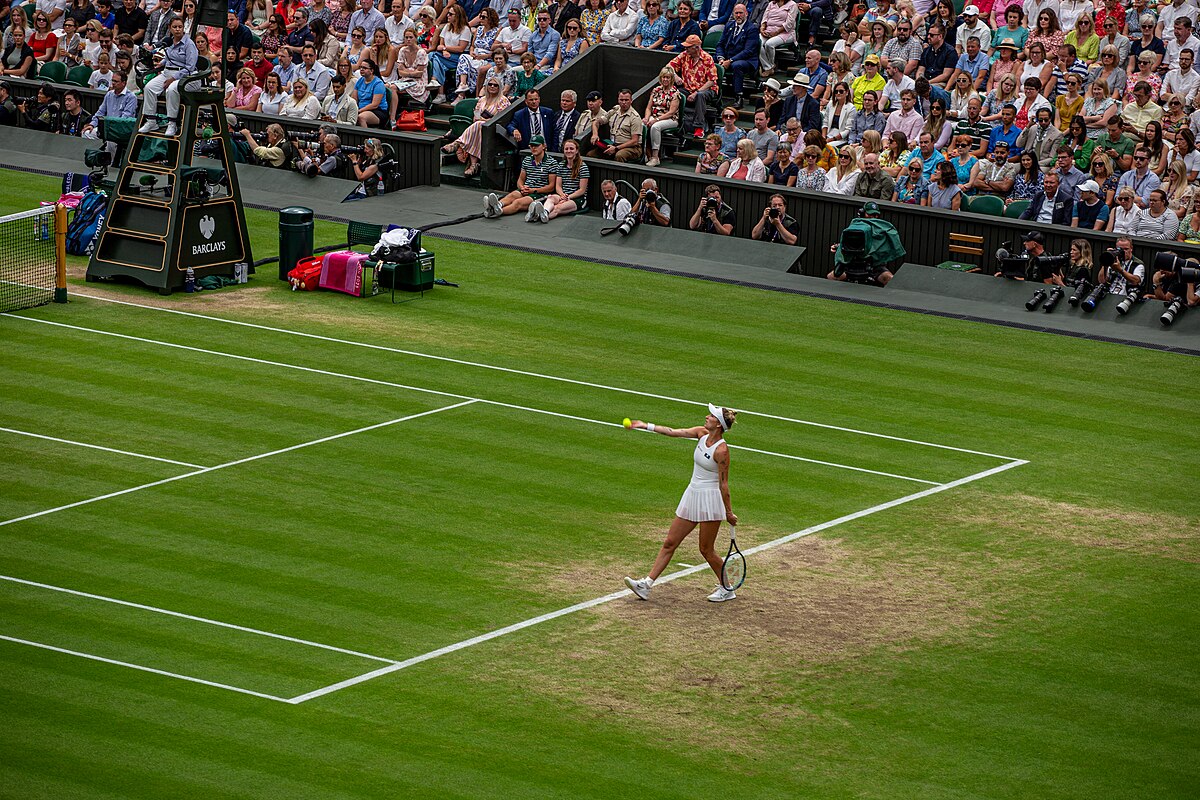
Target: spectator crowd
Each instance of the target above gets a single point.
(1081, 113)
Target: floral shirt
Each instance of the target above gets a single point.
(651, 32)
(1025, 189)
(695, 72)
(593, 21)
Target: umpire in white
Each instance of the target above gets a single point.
(179, 61)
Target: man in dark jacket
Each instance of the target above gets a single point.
(738, 50)
(802, 105)
(1051, 206)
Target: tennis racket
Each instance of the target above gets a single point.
(733, 571)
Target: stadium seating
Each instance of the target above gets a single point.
(78, 76)
(986, 204)
(1016, 208)
(53, 71)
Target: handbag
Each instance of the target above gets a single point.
(411, 120)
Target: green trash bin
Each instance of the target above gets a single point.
(295, 237)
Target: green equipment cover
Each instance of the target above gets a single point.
(883, 241)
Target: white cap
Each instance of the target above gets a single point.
(971, 11)
(719, 413)
(1089, 186)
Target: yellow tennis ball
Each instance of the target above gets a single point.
(627, 422)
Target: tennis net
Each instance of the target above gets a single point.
(33, 258)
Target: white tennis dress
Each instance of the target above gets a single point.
(701, 500)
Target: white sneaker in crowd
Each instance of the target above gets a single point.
(149, 127)
(172, 129)
(535, 211)
(491, 206)
(653, 162)
(542, 214)
(640, 587)
(721, 595)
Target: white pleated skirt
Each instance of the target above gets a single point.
(701, 504)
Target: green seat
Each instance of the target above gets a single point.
(362, 233)
(711, 40)
(78, 76)
(53, 71)
(1016, 208)
(462, 116)
(986, 204)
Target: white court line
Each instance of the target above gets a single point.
(245, 460)
(113, 661)
(562, 612)
(193, 618)
(99, 447)
(527, 373)
(379, 382)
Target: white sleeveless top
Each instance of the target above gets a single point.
(704, 469)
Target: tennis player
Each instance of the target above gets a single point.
(705, 501)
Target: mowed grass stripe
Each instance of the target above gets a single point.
(36, 474)
(160, 401)
(186, 647)
(446, 739)
(823, 444)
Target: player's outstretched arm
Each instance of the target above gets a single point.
(679, 433)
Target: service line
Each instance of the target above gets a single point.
(539, 375)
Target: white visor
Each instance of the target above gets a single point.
(719, 413)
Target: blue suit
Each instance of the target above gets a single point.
(724, 12)
(565, 122)
(741, 48)
(1060, 214)
(808, 114)
(520, 122)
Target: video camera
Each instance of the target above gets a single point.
(858, 264)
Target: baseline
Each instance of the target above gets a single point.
(100, 447)
(531, 374)
(596, 601)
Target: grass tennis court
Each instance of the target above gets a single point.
(344, 490)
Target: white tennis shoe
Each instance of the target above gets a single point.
(640, 587)
(543, 214)
(172, 130)
(721, 595)
(534, 212)
(149, 126)
(492, 207)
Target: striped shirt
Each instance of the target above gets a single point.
(569, 185)
(537, 175)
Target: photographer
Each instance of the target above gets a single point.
(276, 152)
(324, 159)
(1168, 284)
(651, 207)
(775, 225)
(615, 206)
(366, 166)
(1125, 272)
(712, 215)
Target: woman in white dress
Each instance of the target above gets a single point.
(705, 502)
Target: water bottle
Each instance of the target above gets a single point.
(43, 232)
(189, 281)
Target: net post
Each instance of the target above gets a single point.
(60, 253)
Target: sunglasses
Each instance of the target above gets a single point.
(728, 116)
(356, 36)
(1176, 103)
(914, 169)
(1141, 158)
(809, 155)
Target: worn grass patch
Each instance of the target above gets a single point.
(1098, 524)
(808, 610)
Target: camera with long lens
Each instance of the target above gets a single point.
(1081, 289)
(1126, 305)
(1056, 295)
(1186, 270)
(1032, 303)
(308, 137)
(1174, 311)
(352, 150)
(1092, 300)
(210, 148)
(628, 224)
